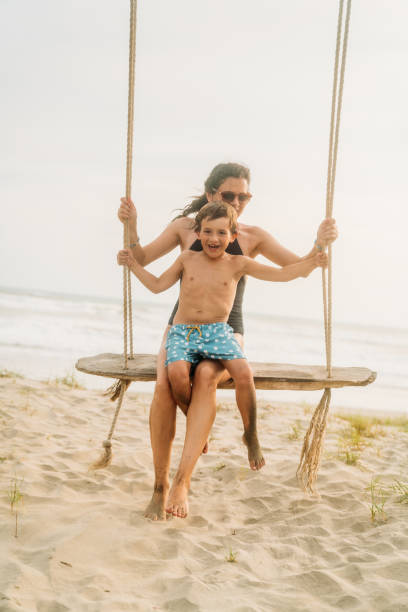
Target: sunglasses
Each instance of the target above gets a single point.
(229, 197)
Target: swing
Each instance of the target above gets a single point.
(142, 367)
(130, 367)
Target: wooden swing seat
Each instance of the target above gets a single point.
(266, 375)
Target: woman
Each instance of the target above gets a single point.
(228, 182)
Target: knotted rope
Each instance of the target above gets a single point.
(313, 442)
(119, 387)
(106, 456)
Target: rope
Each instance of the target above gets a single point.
(106, 456)
(327, 310)
(127, 285)
(130, 313)
(121, 385)
(127, 310)
(337, 101)
(313, 442)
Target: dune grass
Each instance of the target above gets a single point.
(372, 427)
(361, 431)
(381, 492)
(69, 380)
(231, 556)
(348, 456)
(307, 408)
(401, 490)
(15, 497)
(401, 423)
(350, 445)
(9, 374)
(379, 495)
(296, 430)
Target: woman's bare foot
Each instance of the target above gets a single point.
(177, 504)
(155, 511)
(255, 457)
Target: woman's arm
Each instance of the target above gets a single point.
(287, 273)
(163, 244)
(270, 248)
(154, 283)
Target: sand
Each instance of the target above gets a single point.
(252, 541)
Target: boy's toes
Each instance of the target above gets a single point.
(177, 504)
(260, 463)
(181, 512)
(170, 509)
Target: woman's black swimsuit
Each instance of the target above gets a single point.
(235, 317)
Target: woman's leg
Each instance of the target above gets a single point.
(240, 371)
(162, 432)
(200, 417)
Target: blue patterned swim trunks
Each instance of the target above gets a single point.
(194, 343)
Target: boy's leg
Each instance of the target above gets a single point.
(200, 417)
(179, 376)
(207, 375)
(245, 394)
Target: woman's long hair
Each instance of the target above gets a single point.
(217, 176)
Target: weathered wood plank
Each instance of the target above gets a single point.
(266, 375)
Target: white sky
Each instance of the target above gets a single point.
(216, 80)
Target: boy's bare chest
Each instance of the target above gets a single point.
(201, 276)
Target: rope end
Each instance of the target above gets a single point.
(106, 457)
(114, 390)
(312, 446)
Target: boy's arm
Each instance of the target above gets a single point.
(154, 283)
(287, 273)
(168, 239)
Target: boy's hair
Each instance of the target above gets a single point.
(216, 210)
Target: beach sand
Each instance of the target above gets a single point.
(252, 541)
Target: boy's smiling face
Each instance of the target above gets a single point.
(215, 236)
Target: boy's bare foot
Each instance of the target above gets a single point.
(177, 504)
(155, 511)
(255, 457)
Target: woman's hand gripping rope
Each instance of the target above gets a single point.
(125, 258)
(327, 232)
(127, 211)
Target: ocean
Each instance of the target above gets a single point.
(42, 334)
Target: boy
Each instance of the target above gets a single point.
(200, 331)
